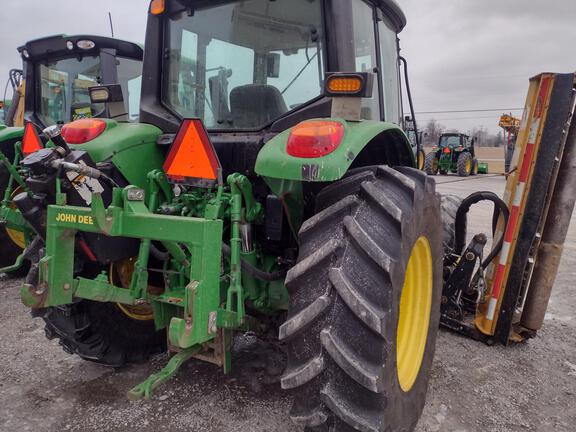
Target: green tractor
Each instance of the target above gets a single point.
(53, 89)
(453, 154)
(268, 188)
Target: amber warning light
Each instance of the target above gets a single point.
(192, 159)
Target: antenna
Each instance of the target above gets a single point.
(111, 25)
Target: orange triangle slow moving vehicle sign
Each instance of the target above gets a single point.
(31, 141)
(192, 156)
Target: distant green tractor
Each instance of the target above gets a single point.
(455, 154)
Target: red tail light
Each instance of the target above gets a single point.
(31, 141)
(83, 130)
(446, 150)
(314, 138)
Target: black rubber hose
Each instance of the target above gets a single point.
(409, 93)
(500, 207)
(158, 254)
(254, 271)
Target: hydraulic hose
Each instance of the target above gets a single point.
(254, 271)
(409, 93)
(158, 254)
(500, 208)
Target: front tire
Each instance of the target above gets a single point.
(365, 303)
(449, 205)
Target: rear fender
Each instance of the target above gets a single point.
(131, 147)
(364, 143)
(8, 137)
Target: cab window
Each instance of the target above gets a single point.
(365, 53)
(64, 89)
(242, 65)
(389, 71)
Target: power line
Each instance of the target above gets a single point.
(463, 118)
(469, 111)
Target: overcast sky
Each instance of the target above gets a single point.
(463, 54)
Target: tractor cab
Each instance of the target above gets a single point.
(258, 66)
(454, 140)
(59, 70)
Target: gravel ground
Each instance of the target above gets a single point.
(530, 387)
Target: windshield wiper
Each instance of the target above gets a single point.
(300, 73)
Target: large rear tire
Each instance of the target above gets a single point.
(464, 165)
(431, 164)
(365, 303)
(474, 167)
(11, 244)
(102, 333)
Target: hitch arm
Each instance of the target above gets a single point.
(144, 390)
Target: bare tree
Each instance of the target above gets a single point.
(432, 132)
(484, 138)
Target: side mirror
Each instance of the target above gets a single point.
(106, 94)
(273, 65)
(111, 95)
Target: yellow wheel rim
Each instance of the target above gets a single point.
(420, 160)
(123, 271)
(414, 319)
(468, 165)
(16, 236)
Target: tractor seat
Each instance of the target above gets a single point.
(256, 105)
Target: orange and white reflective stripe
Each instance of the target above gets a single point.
(519, 192)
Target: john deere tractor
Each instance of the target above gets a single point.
(58, 71)
(453, 154)
(268, 187)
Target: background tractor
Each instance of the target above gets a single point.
(416, 138)
(267, 188)
(453, 154)
(53, 89)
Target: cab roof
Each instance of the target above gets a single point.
(57, 46)
(390, 8)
